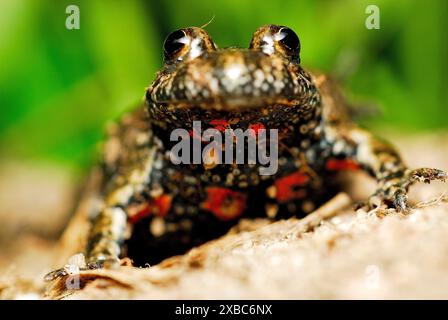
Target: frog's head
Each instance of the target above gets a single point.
(199, 78)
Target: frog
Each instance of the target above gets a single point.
(151, 208)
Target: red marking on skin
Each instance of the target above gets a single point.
(287, 186)
(158, 206)
(219, 124)
(224, 203)
(256, 127)
(163, 204)
(341, 164)
(143, 213)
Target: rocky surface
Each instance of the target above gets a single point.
(336, 253)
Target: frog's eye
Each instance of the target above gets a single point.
(281, 40)
(289, 40)
(174, 43)
(186, 44)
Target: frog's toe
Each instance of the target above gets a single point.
(374, 201)
(395, 197)
(72, 268)
(65, 271)
(440, 175)
(104, 262)
(55, 274)
(400, 201)
(427, 175)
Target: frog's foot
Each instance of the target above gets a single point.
(58, 273)
(73, 268)
(393, 192)
(103, 263)
(425, 175)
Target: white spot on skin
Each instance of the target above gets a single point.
(233, 72)
(214, 87)
(258, 78)
(271, 210)
(195, 48)
(157, 227)
(305, 143)
(235, 77)
(142, 138)
(338, 147)
(118, 220)
(279, 85)
(268, 48)
(364, 154)
(191, 91)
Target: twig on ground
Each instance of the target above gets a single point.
(326, 211)
(443, 197)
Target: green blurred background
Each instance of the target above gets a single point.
(59, 87)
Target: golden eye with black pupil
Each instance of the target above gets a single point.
(174, 43)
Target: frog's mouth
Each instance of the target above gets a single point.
(231, 80)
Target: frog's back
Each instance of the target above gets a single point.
(335, 108)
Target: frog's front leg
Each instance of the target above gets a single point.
(106, 238)
(107, 233)
(382, 162)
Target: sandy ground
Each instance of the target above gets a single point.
(347, 254)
